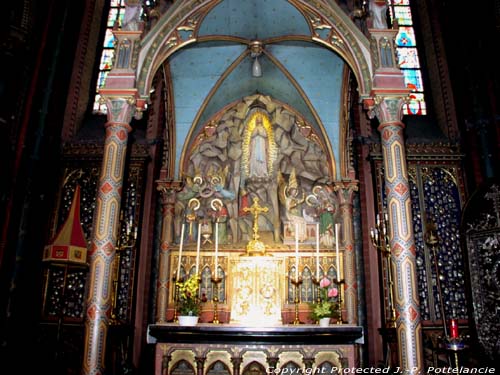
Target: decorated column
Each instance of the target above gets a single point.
(345, 192)
(389, 94)
(401, 237)
(106, 223)
(120, 96)
(167, 190)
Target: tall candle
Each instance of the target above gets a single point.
(198, 249)
(180, 253)
(337, 226)
(317, 251)
(216, 271)
(296, 251)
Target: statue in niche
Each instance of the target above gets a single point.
(378, 14)
(292, 196)
(132, 15)
(258, 150)
(259, 147)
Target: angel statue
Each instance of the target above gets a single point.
(293, 197)
(218, 185)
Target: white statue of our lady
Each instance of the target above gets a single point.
(258, 150)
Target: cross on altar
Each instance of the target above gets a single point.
(255, 245)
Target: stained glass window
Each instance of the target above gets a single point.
(115, 17)
(407, 56)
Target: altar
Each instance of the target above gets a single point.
(257, 287)
(258, 254)
(234, 349)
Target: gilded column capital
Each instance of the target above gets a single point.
(120, 110)
(168, 187)
(168, 190)
(345, 191)
(388, 109)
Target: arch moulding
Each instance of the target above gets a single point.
(329, 25)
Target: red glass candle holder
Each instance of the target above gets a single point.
(453, 329)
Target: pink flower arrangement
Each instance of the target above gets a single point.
(327, 307)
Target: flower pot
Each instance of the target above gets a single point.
(186, 320)
(324, 322)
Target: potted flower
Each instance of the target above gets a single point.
(327, 307)
(188, 303)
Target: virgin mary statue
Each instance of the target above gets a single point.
(259, 147)
(258, 150)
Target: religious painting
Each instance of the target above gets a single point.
(256, 149)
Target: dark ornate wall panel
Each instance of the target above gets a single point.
(437, 197)
(87, 177)
(481, 227)
(65, 286)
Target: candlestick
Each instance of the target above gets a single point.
(216, 271)
(296, 300)
(317, 251)
(216, 281)
(180, 252)
(337, 253)
(198, 249)
(296, 251)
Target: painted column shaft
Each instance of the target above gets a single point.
(401, 237)
(345, 192)
(168, 201)
(105, 227)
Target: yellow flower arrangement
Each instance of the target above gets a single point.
(189, 302)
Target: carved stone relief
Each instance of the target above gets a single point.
(257, 148)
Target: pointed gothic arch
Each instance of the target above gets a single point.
(178, 28)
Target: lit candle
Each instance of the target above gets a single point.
(317, 251)
(337, 226)
(198, 249)
(216, 249)
(180, 253)
(296, 251)
(453, 329)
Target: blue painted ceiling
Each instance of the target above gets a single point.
(214, 72)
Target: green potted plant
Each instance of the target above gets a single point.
(327, 307)
(188, 303)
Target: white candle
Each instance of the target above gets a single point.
(198, 249)
(216, 249)
(180, 253)
(317, 251)
(337, 227)
(296, 251)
